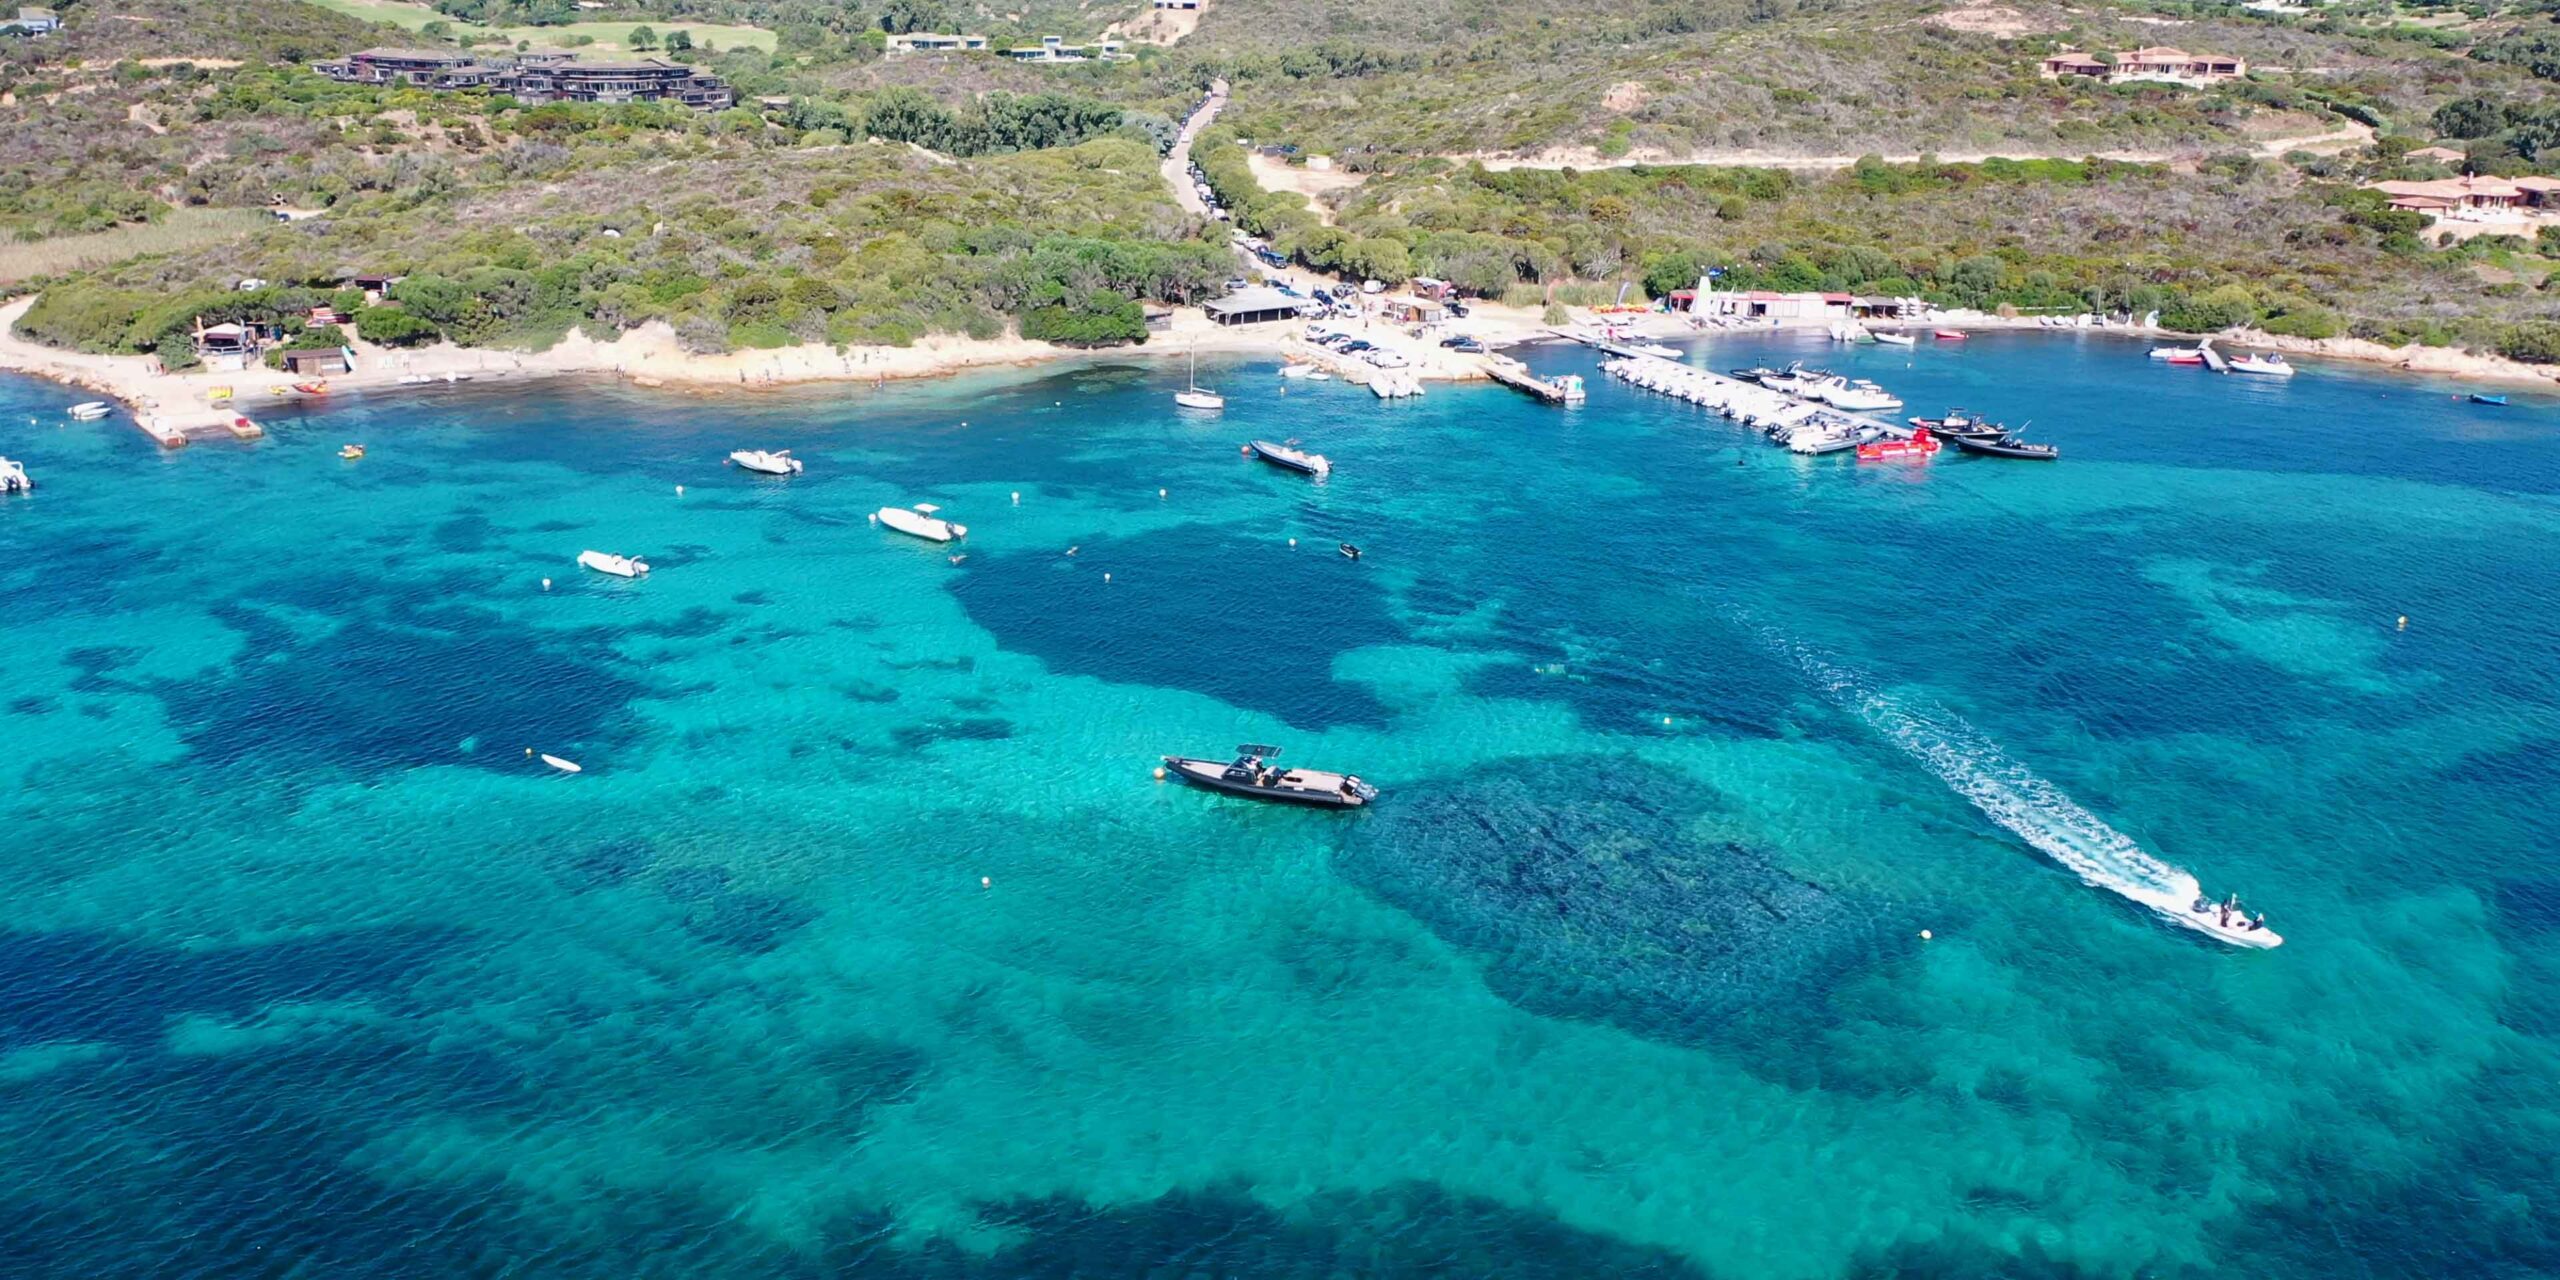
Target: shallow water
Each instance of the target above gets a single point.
(308, 970)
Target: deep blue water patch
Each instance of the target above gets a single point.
(1578, 881)
(89, 986)
(389, 694)
(604, 864)
(1248, 621)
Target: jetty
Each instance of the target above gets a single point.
(1598, 343)
(245, 428)
(2212, 359)
(167, 433)
(1515, 375)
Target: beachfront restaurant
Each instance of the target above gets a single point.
(226, 348)
(1415, 311)
(1776, 308)
(1252, 306)
(315, 363)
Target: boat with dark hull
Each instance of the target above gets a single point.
(2007, 446)
(1252, 775)
(1298, 460)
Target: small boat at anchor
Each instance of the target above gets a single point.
(1298, 460)
(778, 462)
(1196, 396)
(2268, 365)
(351, 452)
(618, 566)
(1947, 335)
(13, 479)
(90, 410)
(2005, 445)
(922, 521)
(1892, 339)
(2179, 355)
(1252, 775)
(1350, 552)
(2482, 397)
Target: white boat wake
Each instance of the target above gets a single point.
(2006, 791)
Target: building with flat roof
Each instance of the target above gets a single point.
(32, 20)
(936, 42)
(537, 77)
(1252, 306)
(2159, 63)
(1056, 49)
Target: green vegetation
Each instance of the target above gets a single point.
(169, 232)
(551, 24)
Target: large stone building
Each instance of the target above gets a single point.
(538, 77)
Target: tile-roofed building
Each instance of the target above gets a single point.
(2158, 63)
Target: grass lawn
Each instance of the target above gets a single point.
(182, 229)
(607, 35)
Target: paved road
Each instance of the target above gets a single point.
(1177, 162)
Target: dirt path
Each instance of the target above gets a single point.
(2336, 140)
(1177, 162)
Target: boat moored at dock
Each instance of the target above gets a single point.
(2007, 446)
(90, 410)
(1250, 774)
(2266, 365)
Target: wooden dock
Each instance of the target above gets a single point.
(242, 427)
(1515, 375)
(161, 429)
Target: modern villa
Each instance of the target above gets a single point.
(1056, 49)
(933, 42)
(2160, 64)
(537, 77)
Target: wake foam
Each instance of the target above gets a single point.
(2005, 791)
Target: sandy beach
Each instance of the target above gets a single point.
(176, 406)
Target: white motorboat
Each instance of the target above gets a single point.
(90, 410)
(564, 766)
(2269, 365)
(2180, 355)
(2233, 925)
(1298, 460)
(1299, 371)
(13, 477)
(1657, 349)
(414, 379)
(618, 566)
(1570, 385)
(778, 462)
(921, 521)
(1196, 396)
(1892, 339)
(1859, 396)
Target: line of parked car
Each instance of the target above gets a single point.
(1357, 348)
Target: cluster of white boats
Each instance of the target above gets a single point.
(1802, 411)
(922, 520)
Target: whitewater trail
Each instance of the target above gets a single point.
(2006, 791)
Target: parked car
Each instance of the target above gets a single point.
(1283, 287)
(1385, 359)
(1356, 346)
(1234, 283)
(1456, 308)
(1372, 286)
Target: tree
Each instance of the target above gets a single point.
(393, 327)
(642, 37)
(2471, 118)
(900, 17)
(2534, 342)
(679, 41)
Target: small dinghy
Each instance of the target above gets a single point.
(779, 462)
(13, 478)
(1892, 339)
(90, 410)
(1948, 335)
(313, 388)
(564, 766)
(2482, 397)
(351, 452)
(618, 566)
(1298, 460)
(2178, 355)
(1299, 371)
(2228, 921)
(2007, 446)
(2269, 365)
(921, 521)
(1350, 552)
(1251, 775)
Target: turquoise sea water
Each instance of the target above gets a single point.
(307, 970)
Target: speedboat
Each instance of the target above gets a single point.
(1250, 774)
(1298, 460)
(351, 452)
(1350, 552)
(1857, 397)
(921, 521)
(2007, 446)
(618, 566)
(1299, 370)
(1948, 335)
(2269, 365)
(1569, 386)
(90, 410)
(1758, 374)
(779, 462)
(2179, 355)
(1823, 438)
(2227, 921)
(1920, 445)
(13, 479)
(1892, 339)
(1957, 422)
(1658, 349)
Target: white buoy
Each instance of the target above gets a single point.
(1106, 577)
(874, 517)
(546, 584)
(2404, 622)
(1017, 497)
(1159, 773)
(1293, 542)
(1925, 935)
(986, 882)
(1159, 493)
(1666, 719)
(679, 491)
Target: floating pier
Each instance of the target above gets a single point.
(167, 433)
(1598, 343)
(1515, 375)
(241, 426)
